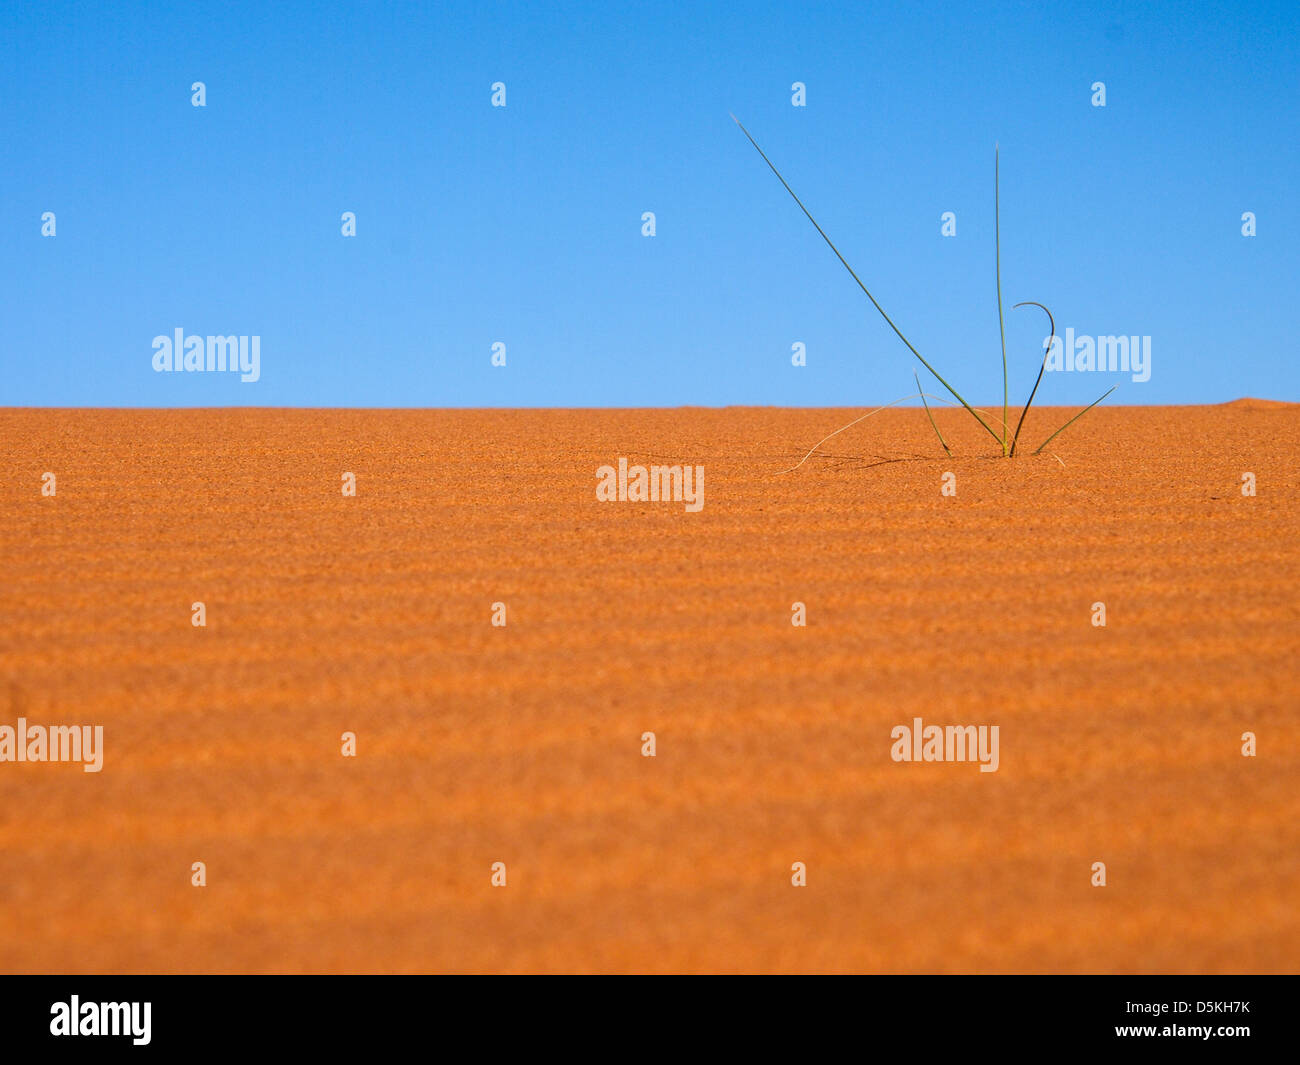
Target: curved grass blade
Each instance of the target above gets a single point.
(1076, 418)
(864, 288)
(997, 269)
(1034, 391)
(929, 415)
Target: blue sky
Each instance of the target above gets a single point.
(522, 225)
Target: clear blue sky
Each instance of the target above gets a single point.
(523, 224)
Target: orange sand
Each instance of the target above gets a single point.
(522, 745)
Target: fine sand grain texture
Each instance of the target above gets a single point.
(522, 744)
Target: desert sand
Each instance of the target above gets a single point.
(522, 744)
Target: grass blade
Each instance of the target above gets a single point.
(831, 245)
(1034, 391)
(1076, 418)
(813, 449)
(997, 269)
(929, 415)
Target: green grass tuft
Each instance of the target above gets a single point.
(1005, 440)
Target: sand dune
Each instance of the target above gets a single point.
(1251, 403)
(522, 744)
